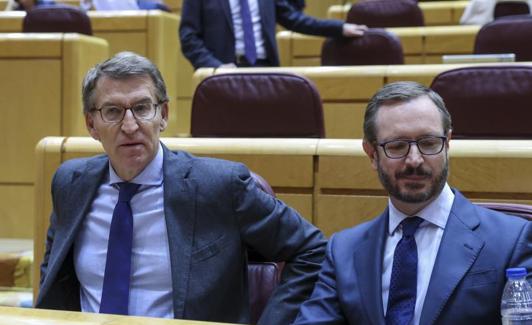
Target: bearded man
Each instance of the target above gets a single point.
(432, 257)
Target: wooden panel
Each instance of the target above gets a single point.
(39, 96)
(26, 119)
(344, 120)
(346, 83)
(30, 45)
(183, 115)
(302, 203)
(318, 8)
(337, 212)
(450, 39)
(116, 20)
(306, 61)
(16, 211)
(119, 41)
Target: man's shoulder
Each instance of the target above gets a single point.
(207, 167)
(204, 162)
(79, 164)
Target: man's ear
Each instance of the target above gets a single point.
(164, 116)
(371, 152)
(449, 134)
(89, 123)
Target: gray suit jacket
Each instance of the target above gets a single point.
(466, 284)
(214, 212)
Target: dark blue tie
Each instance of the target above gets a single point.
(115, 291)
(403, 282)
(250, 51)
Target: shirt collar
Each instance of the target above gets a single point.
(151, 175)
(436, 213)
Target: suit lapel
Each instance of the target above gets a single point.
(226, 8)
(458, 251)
(179, 210)
(368, 263)
(82, 190)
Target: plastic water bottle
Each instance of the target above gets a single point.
(516, 303)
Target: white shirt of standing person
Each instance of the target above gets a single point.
(480, 12)
(115, 5)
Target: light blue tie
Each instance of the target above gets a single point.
(115, 291)
(403, 282)
(250, 51)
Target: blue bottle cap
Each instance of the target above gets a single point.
(517, 272)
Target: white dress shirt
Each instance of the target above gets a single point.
(428, 239)
(151, 277)
(257, 29)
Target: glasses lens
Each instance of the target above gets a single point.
(145, 111)
(430, 145)
(396, 149)
(112, 113)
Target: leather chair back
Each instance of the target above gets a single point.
(512, 34)
(386, 13)
(377, 46)
(488, 102)
(509, 8)
(57, 19)
(520, 210)
(270, 105)
(263, 278)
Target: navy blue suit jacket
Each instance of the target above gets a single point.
(466, 283)
(207, 36)
(214, 212)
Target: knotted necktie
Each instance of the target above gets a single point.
(250, 51)
(115, 292)
(403, 282)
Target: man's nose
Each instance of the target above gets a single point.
(129, 123)
(414, 157)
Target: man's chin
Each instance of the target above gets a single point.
(414, 196)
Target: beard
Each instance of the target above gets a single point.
(409, 193)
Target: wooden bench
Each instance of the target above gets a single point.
(329, 181)
(39, 96)
(150, 33)
(435, 13)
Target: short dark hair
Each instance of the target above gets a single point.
(122, 66)
(401, 91)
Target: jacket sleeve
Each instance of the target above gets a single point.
(323, 307)
(278, 233)
(295, 20)
(191, 32)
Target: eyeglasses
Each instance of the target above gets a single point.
(430, 145)
(115, 114)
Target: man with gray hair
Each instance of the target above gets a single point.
(146, 231)
(432, 257)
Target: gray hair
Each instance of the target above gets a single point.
(402, 91)
(122, 66)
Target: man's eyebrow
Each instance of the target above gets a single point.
(142, 100)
